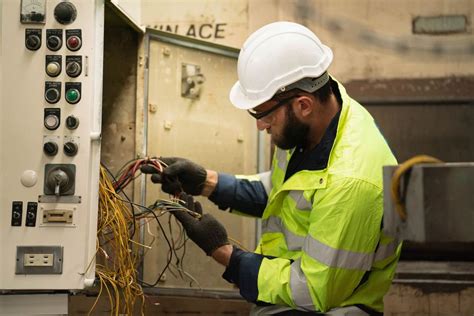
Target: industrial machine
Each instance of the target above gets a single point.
(437, 202)
(50, 110)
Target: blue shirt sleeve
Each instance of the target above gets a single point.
(242, 195)
(243, 271)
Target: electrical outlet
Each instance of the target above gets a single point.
(38, 260)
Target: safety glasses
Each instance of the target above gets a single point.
(261, 115)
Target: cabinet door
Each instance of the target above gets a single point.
(203, 126)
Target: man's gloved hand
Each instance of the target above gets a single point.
(205, 231)
(180, 175)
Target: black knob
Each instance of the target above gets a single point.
(72, 122)
(16, 215)
(65, 13)
(73, 69)
(70, 148)
(33, 42)
(54, 42)
(52, 95)
(50, 148)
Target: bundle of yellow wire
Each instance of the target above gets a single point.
(117, 253)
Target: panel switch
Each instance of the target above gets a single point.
(52, 91)
(31, 209)
(33, 39)
(17, 212)
(73, 39)
(54, 39)
(52, 118)
(73, 92)
(53, 65)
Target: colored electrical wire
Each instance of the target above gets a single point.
(117, 254)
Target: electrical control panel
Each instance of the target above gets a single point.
(50, 114)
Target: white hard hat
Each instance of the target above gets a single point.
(274, 57)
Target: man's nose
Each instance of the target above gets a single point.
(261, 125)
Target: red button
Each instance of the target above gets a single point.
(73, 42)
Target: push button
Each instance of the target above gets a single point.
(74, 39)
(52, 118)
(73, 43)
(72, 96)
(73, 92)
(65, 13)
(52, 91)
(53, 65)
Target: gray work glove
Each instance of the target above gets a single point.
(206, 231)
(180, 175)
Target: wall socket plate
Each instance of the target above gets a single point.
(39, 260)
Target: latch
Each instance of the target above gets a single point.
(191, 81)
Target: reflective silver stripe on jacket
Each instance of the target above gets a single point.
(336, 258)
(385, 251)
(273, 224)
(281, 157)
(340, 258)
(266, 179)
(299, 287)
(301, 202)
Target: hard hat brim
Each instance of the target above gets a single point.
(241, 101)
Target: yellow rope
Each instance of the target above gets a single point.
(401, 170)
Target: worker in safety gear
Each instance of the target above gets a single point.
(323, 249)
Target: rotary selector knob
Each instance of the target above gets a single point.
(57, 181)
(73, 69)
(33, 42)
(72, 122)
(52, 95)
(70, 149)
(50, 148)
(65, 13)
(53, 69)
(16, 214)
(51, 122)
(54, 42)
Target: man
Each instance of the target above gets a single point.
(322, 249)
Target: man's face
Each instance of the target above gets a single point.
(286, 130)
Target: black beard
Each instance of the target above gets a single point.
(294, 132)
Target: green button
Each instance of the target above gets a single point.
(72, 95)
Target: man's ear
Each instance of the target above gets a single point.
(305, 106)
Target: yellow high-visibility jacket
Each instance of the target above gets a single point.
(323, 244)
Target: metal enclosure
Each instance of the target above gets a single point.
(189, 115)
(439, 203)
(50, 110)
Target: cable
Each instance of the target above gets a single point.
(117, 252)
(401, 170)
